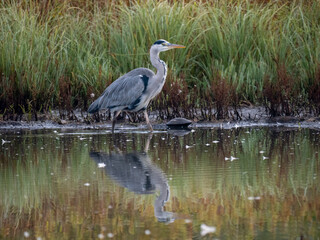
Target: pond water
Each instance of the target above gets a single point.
(244, 183)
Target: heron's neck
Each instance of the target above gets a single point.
(159, 65)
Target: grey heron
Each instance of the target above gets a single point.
(133, 91)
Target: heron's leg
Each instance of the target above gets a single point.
(114, 119)
(147, 120)
(128, 114)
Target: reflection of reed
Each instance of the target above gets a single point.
(205, 186)
(136, 172)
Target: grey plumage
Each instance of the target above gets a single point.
(123, 92)
(133, 91)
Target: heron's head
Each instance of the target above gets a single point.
(163, 45)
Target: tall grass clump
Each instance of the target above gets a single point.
(234, 46)
(56, 54)
(51, 60)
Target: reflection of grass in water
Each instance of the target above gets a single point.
(284, 182)
(59, 205)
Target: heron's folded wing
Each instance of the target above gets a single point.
(126, 89)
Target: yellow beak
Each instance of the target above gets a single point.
(175, 46)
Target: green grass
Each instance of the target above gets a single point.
(55, 55)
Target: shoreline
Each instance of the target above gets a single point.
(312, 123)
(251, 117)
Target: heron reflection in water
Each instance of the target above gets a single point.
(136, 172)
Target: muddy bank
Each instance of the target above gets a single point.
(251, 117)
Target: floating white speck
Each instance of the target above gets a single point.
(230, 158)
(55, 131)
(110, 235)
(187, 146)
(147, 232)
(233, 158)
(87, 184)
(100, 236)
(39, 238)
(207, 229)
(101, 165)
(207, 144)
(4, 141)
(110, 207)
(92, 95)
(26, 234)
(264, 158)
(81, 138)
(254, 198)
(187, 220)
(193, 130)
(215, 141)
(262, 151)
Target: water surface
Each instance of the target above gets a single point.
(247, 183)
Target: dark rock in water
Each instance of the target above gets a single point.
(179, 123)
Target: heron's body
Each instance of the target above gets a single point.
(133, 91)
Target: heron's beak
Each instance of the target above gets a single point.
(175, 46)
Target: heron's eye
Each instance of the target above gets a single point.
(164, 44)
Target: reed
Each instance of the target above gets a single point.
(55, 54)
